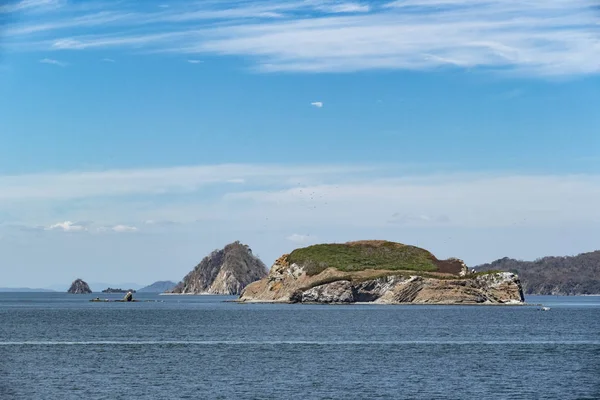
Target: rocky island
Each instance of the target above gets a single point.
(111, 290)
(79, 287)
(227, 271)
(379, 272)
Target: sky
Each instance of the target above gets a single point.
(137, 137)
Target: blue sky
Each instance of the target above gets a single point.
(136, 137)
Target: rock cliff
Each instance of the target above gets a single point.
(227, 271)
(79, 287)
(379, 272)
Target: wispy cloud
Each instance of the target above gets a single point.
(124, 228)
(67, 226)
(195, 61)
(52, 61)
(528, 37)
(73, 185)
(108, 60)
(344, 7)
(318, 104)
(23, 5)
(302, 199)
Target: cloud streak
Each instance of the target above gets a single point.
(52, 61)
(74, 185)
(67, 226)
(552, 38)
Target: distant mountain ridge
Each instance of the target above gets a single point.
(569, 275)
(158, 287)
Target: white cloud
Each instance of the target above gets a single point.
(300, 239)
(299, 198)
(124, 228)
(318, 104)
(173, 180)
(84, 21)
(195, 61)
(345, 8)
(67, 226)
(528, 37)
(453, 200)
(24, 5)
(53, 62)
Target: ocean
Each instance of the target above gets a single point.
(59, 346)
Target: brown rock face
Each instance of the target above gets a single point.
(79, 287)
(227, 271)
(451, 284)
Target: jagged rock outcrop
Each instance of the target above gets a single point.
(321, 276)
(227, 271)
(79, 287)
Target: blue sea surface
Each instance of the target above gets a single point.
(59, 346)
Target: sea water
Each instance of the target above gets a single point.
(59, 346)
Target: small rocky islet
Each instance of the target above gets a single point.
(113, 290)
(79, 286)
(379, 272)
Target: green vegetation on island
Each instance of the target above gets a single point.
(379, 271)
(359, 256)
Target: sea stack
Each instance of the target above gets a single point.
(79, 287)
(227, 272)
(382, 272)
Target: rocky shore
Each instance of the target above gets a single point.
(416, 277)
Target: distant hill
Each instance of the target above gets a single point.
(25, 290)
(225, 271)
(158, 287)
(554, 275)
